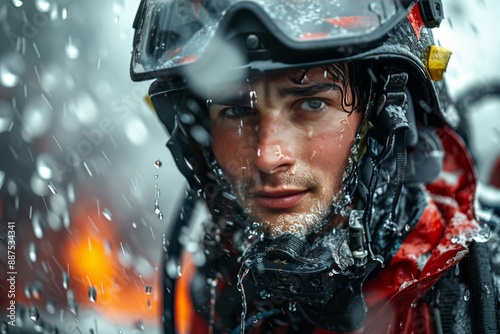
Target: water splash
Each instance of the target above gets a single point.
(241, 275)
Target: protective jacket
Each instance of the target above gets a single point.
(422, 290)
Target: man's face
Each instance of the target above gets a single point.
(283, 141)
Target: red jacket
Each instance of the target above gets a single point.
(436, 244)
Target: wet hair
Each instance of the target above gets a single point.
(352, 76)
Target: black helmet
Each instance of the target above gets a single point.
(189, 45)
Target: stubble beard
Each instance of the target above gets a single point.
(299, 225)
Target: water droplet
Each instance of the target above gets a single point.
(32, 251)
(36, 118)
(44, 163)
(157, 210)
(92, 294)
(172, 268)
(407, 227)
(467, 295)
(134, 224)
(12, 68)
(6, 116)
(43, 5)
(33, 313)
(158, 163)
(2, 178)
(37, 223)
(140, 325)
(107, 214)
(3, 328)
(28, 291)
(156, 175)
(52, 187)
(72, 52)
(17, 3)
(486, 290)
(64, 14)
(65, 280)
(51, 306)
(136, 131)
(148, 289)
(117, 19)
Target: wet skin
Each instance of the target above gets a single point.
(283, 141)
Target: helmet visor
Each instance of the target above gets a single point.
(170, 33)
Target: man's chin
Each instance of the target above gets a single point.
(298, 225)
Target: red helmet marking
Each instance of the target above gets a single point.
(312, 35)
(350, 21)
(415, 19)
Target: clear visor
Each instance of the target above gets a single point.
(175, 32)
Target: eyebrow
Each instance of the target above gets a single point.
(306, 91)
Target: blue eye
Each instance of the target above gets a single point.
(314, 104)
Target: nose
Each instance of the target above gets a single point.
(274, 147)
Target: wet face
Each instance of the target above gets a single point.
(284, 141)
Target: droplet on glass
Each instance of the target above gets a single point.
(72, 52)
(148, 289)
(44, 163)
(43, 5)
(84, 107)
(28, 291)
(52, 187)
(158, 163)
(71, 193)
(36, 119)
(107, 214)
(2, 178)
(54, 221)
(32, 251)
(65, 280)
(51, 306)
(140, 325)
(117, 19)
(12, 68)
(64, 13)
(134, 224)
(38, 185)
(92, 294)
(17, 3)
(33, 313)
(37, 223)
(136, 131)
(6, 116)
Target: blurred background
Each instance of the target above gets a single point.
(86, 182)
